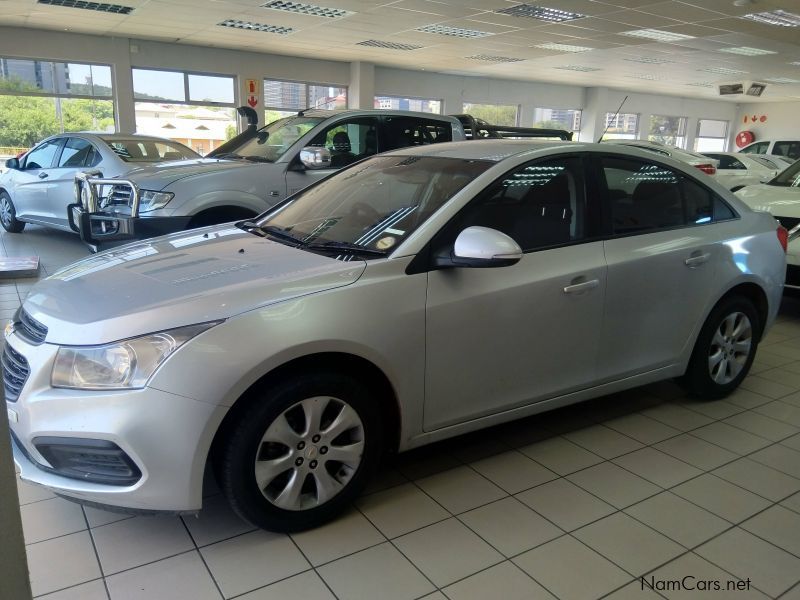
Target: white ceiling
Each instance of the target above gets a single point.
(713, 25)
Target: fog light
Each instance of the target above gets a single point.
(97, 461)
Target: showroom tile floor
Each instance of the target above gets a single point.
(577, 504)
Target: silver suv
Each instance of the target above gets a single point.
(414, 296)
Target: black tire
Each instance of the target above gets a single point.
(8, 215)
(702, 380)
(242, 444)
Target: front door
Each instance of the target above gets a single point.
(348, 141)
(501, 338)
(33, 180)
(76, 156)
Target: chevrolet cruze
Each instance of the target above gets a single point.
(408, 298)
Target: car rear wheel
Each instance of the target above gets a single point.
(8, 215)
(724, 350)
(300, 452)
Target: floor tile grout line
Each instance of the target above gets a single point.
(796, 586)
(69, 587)
(200, 555)
(96, 552)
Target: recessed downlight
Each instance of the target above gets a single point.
(250, 26)
(542, 13)
(308, 9)
(658, 35)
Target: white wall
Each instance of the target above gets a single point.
(783, 120)
(365, 81)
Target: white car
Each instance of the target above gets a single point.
(699, 161)
(787, 148)
(737, 170)
(781, 197)
(38, 186)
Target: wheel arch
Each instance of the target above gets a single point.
(756, 294)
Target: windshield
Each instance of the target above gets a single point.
(144, 150)
(273, 140)
(788, 178)
(375, 204)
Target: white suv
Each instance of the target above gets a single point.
(788, 148)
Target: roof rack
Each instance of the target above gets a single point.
(475, 128)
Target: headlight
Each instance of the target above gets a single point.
(150, 200)
(122, 365)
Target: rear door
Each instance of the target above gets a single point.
(662, 253)
(33, 180)
(77, 155)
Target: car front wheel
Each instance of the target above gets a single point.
(724, 350)
(8, 215)
(300, 452)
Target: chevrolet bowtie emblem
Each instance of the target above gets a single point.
(9, 328)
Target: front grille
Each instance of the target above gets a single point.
(119, 195)
(15, 373)
(30, 329)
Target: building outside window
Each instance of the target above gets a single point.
(40, 98)
(668, 130)
(286, 98)
(195, 109)
(494, 114)
(428, 105)
(557, 118)
(622, 126)
(712, 136)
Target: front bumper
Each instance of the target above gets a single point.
(110, 228)
(165, 435)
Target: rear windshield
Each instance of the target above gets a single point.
(144, 150)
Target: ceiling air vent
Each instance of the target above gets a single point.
(494, 59)
(453, 31)
(542, 13)
(388, 45)
(756, 89)
(308, 9)
(731, 90)
(248, 26)
(96, 6)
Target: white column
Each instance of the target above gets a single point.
(593, 118)
(361, 93)
(124, 105)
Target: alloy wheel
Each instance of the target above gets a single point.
(730, 348)
(309, 453)
(5, 210)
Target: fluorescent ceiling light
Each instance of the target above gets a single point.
(649, 60)
(247, 25)
(658, 35)
(96, 6)
(644, 76)
(581, 68)
(492, 58)
(542, 13)
(701, 84)
(781, 18)
(453, 31)
(795, 63)
(307, 9)
(781, 80)
(562, 47)
(388, 45)
(747, 51)
(723, 70)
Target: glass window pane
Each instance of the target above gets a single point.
(202, 128)
(349, 141)
(668, 130)
(286, 95)
(622, 126)
(709, 145)
(557, 118)
(329, 97)
(274, 115)
(75, 154)
(158, 85)
(77, 114)
(494, 114)
(20, 75)
(43, 156)
(144, 150)
(416, 104)
(210, 88)
(712, 128)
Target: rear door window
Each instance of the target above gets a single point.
(757, 148)
(77, 153)
(402, 132)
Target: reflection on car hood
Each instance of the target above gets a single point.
(181, 279)
(160, 175)
(780, 201)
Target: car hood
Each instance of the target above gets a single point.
(181, 279)
(160, 175)
(780, 201)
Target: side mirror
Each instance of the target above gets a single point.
(12, 163)
(484, 247)
(315, 157)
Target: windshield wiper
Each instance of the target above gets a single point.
(256, 158)
(345, 247)
(229, 155)
(269, 231)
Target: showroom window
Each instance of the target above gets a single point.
(195, 109)
(557, 118)
(622, 126)
(428, 105)
(712, 136)
(41, 98)
(285, 98)
(668, 130)
(494, 114)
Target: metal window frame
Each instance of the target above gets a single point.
(516, 119)
(307, 84)
(580, 110)
(45, 94)
(439, 100)
(188, 101)
(638, 122)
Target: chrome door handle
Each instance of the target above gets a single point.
(42, 175)
(577, 288)
(697, 260)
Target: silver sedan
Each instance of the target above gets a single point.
(411, 297)
(38, 186)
